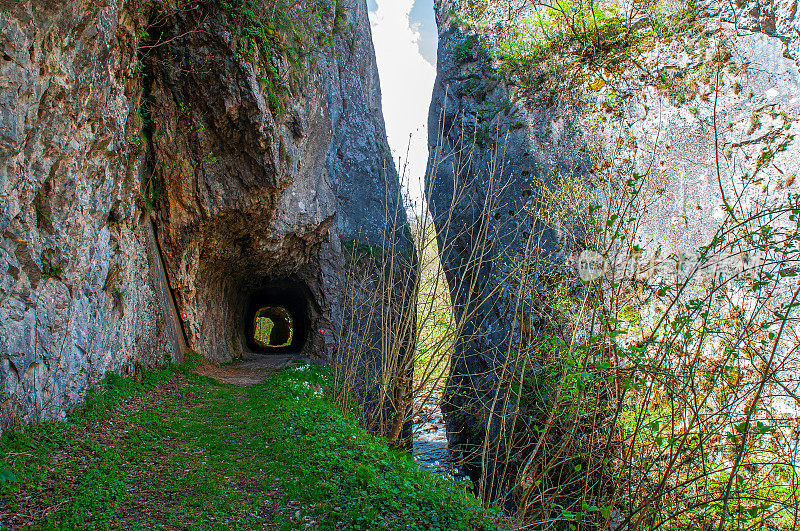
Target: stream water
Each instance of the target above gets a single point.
(430, 440)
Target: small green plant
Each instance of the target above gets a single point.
(275, 104)
(40, 213)
(154, 191)
(52, 268)
(6, 475)
(340, 18)
(755, 123)
(474, 87)
(465, 50)
(137, 142)
(483, 135)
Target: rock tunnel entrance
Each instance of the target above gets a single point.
(278, 318)
(273, 327)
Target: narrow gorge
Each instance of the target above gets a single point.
(595, 295)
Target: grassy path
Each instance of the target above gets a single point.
(178, 451)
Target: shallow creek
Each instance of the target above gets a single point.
(430, 439)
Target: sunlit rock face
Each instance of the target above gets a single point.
(75, 294)
(131, 138)
(776, 18)
(499, 145)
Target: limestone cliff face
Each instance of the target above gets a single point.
(139, 144)
(482, 170)
(75, 292)
(498, 144)
(776, 18)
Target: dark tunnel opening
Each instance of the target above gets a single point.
(278, 319)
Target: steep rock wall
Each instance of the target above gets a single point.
(499, 144)
(483, 170)
(76, 297)
(258, 190)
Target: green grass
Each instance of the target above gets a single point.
(173, 450)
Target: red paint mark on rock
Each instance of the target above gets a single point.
(184, 316)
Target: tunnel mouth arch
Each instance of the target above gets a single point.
(278, 318)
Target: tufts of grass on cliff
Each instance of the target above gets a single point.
(170, 449)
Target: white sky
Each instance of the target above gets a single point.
(403, 32)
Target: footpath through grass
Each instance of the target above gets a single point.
(172, 450)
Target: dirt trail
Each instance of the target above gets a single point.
(249, 371)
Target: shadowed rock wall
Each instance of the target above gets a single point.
(256, 193)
